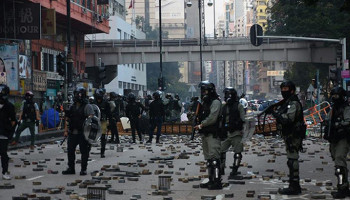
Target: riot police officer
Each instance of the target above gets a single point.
(233, 118)
(156, 116)
(133, 111)
(290, 120)
(76, 116)
(105, 110)
(337, 133)
(114, 118)
(7, 126)
(208, 118)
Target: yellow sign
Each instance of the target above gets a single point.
(276, 73)
(48, 22)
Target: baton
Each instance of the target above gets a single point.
(64, 139)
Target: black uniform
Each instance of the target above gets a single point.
(105, 109)
(133, 112)
(7, 118)
(156, 114)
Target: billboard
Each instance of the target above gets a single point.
(9, 64)
(24, 67)
(171, 9)
(20, 20)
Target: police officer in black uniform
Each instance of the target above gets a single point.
(76, 116)
(233, 118)
(103, 105)
(133, 111)
(290, 120)
(156, 116)
(114, 118)
(337, 133)
(208, 118)
(7, 126)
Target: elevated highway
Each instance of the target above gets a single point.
(114, 52)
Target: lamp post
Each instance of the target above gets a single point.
(160, 44)
(200, 12)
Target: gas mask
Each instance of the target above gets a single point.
(337, 99)
(286, 94)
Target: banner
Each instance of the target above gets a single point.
(24, 67)
(21, 20)
(48, 23)
(9, 64)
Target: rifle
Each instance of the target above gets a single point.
(328, 123)
(195, 122)
(267, 111)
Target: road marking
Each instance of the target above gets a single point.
(30, 179)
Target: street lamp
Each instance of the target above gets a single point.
(200, 11)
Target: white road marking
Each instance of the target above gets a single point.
(30, 179)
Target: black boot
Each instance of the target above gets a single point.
(236, 162)
(216, 176)
(210, 174)
(343, 185)
(222, 163)
(294, 185)
(68, 171)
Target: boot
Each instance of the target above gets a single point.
(210, 174)
(236, 163)
(294, 186)
(216, 176)
(68, 171)
(223, 163)
(343, 185)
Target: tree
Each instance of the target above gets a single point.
(309, 18)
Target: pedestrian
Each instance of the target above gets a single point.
(156, 116)
(7, 126)
(29, 116)
(76, 116)
(114, 118)
(208, 118)
(105, 110)
(290, 119)
(233, 118)
(133, 111)
(337, 133)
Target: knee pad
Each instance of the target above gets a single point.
(290, 163)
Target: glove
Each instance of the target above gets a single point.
(37, 122)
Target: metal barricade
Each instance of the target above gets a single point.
(316, 114)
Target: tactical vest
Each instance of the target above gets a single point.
(77, 117)
(339, 132)
(28, 111)
(133, 110)
(176, 105)
(104, 108)
(298, 128)
(235, 123)
(203, 114)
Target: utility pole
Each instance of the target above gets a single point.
(69, 64)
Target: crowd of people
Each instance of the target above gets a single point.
(219, 123)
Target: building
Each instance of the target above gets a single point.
(126, 77)
(34, 63)
(260, 13)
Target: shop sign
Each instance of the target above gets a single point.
(39, 80)
(3, 77)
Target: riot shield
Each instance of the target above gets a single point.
(92, 129)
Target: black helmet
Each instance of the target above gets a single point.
(131, 97)
(112, 95)
(207, 86)
(29, 96)
(290, 85)
(79, 94)
(4, 92)
(99, 94)
(156, 95)
(338, 95)
(230, 94)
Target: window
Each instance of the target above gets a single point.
(128, 86)
(48, 62)
(51, 63)
(124, 85)
(120, 84)
(142, 68)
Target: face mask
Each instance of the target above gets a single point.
(286, 94)
(337, 100)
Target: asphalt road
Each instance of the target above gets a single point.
(264, 170)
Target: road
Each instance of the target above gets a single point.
(264, 170)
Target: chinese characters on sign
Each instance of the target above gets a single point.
(276, 73)
(40, 81)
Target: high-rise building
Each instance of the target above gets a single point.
(260, 12)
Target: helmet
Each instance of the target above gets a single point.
(79, 94)
(112, 95)
(207, 89)
(131, 97)
(338, 95)
(29, 96)
(4, 92)
(91, 100)
(290, 85)
(156, 95)
(230, 94)
(99, 94)
(177, 96)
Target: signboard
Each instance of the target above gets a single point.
(48, 22)
(39, 80)
(20, 20)
(276, 73)
(9, 64)
(3, 77)
(24, 67)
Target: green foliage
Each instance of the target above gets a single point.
(17, 105)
